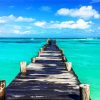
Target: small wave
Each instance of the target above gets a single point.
(88, 39)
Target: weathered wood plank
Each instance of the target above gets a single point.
(46, 78)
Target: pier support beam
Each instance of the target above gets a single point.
(84, 92)
(49, 41)
(39, 53)
(33, 60)
(2, 90)
(64, 59)
(68, 66)
(23, 68)
(42, 49)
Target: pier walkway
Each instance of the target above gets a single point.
(46, 78)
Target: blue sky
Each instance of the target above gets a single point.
(50, 18)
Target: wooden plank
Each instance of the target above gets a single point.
(46, 78)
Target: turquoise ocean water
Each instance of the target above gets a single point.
(83, 53)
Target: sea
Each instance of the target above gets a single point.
(83, 53)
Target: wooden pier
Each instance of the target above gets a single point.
(48, 77)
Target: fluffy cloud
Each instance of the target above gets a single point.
(12, 18)
(22, 19)
(21, 32)
(12, 24)
(40, 23)
(82, 12)
(14, 29)
(2, 21)
(79, 24)
(17, 25)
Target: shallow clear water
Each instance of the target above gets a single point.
(85, 56)
(83, 53)
(12, 51)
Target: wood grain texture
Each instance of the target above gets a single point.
(47, 78)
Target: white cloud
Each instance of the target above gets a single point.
(16, 31)
(79, 24)
(14, 25)
(19, 29)
(40, 23)
(22, 19)
(21, 32)
(82, 12)
(12, 18)
(10, 24)
(5, 19)
(2, 21)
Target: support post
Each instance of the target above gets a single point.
(68, 66)
(42, 49)
(2, 90)
(23, 68)
(49, 41)
(64, 58)
(39, 54)
(84, 92)
(33, 60)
